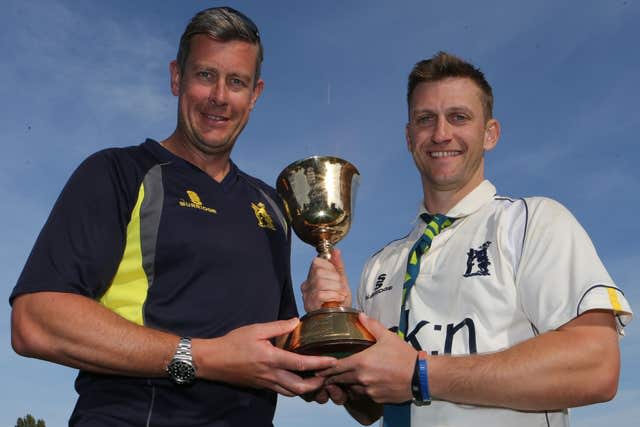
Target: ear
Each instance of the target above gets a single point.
(491, 134)
(174, 69)
(257, 91)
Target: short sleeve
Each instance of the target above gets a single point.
(560, 275)
(82, 242)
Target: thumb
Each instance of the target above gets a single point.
(279, 327)
(376, 328)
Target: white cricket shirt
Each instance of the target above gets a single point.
(505, 271)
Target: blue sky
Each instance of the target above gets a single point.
(79, 76)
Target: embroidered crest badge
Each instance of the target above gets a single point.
(264, 220)
(478, 261)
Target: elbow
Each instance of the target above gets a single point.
(607, 386)
(21, 346)
(20, 341)
(24, 333)
(605, 377)
(601, 357)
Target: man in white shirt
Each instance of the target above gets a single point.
(513, 288)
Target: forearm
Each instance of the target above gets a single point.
(78, 332)
(573, 366)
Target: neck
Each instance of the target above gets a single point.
(217, 166)
(443, 200)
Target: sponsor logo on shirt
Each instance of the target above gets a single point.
(194, 202)
(478, 261)
(264, 220)
(441, 338)
(377, 289)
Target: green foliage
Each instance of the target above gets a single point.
(29, 421)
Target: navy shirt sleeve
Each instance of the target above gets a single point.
(81, 244)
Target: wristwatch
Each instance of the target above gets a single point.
(181, 369)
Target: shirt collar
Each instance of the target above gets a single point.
(167, 156)
(477, 198)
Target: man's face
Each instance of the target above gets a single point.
(217, 91)
(447, 134)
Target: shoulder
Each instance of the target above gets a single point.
(533, 208)
(543, 212)
(550, 223)
(387, 252)
(108, 176)
(117, 162)
(139, 156)
(545, 205)
(531, 214)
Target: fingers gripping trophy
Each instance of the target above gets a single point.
(318, 194)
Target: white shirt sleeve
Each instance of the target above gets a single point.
(560, 275)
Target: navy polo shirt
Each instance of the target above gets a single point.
(155, 239)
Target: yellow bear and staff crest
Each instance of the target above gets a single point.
(264, 220)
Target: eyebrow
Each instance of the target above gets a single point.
(421, 111)
(448, 110)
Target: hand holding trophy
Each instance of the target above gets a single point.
(318, 194)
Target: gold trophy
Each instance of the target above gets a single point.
(318, 194)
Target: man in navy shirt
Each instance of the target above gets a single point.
(162, 273)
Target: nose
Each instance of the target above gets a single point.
(218, 93)
(442, 131)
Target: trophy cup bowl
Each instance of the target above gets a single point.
(318, 194)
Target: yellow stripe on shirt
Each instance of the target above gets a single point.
(128, 290)
(613, 298)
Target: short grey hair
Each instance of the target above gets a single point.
(223, 24)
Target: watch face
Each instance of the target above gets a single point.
(181, 372)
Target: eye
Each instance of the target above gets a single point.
(237, 82)
(205, 75)
(458, 118)
(425, 119)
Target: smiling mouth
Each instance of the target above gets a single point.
(440, 154)
(215, 118)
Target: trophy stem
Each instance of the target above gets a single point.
(324, 249)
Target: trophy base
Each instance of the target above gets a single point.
(331, 331)
(337, 349)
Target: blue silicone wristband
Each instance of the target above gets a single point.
(424, 379)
